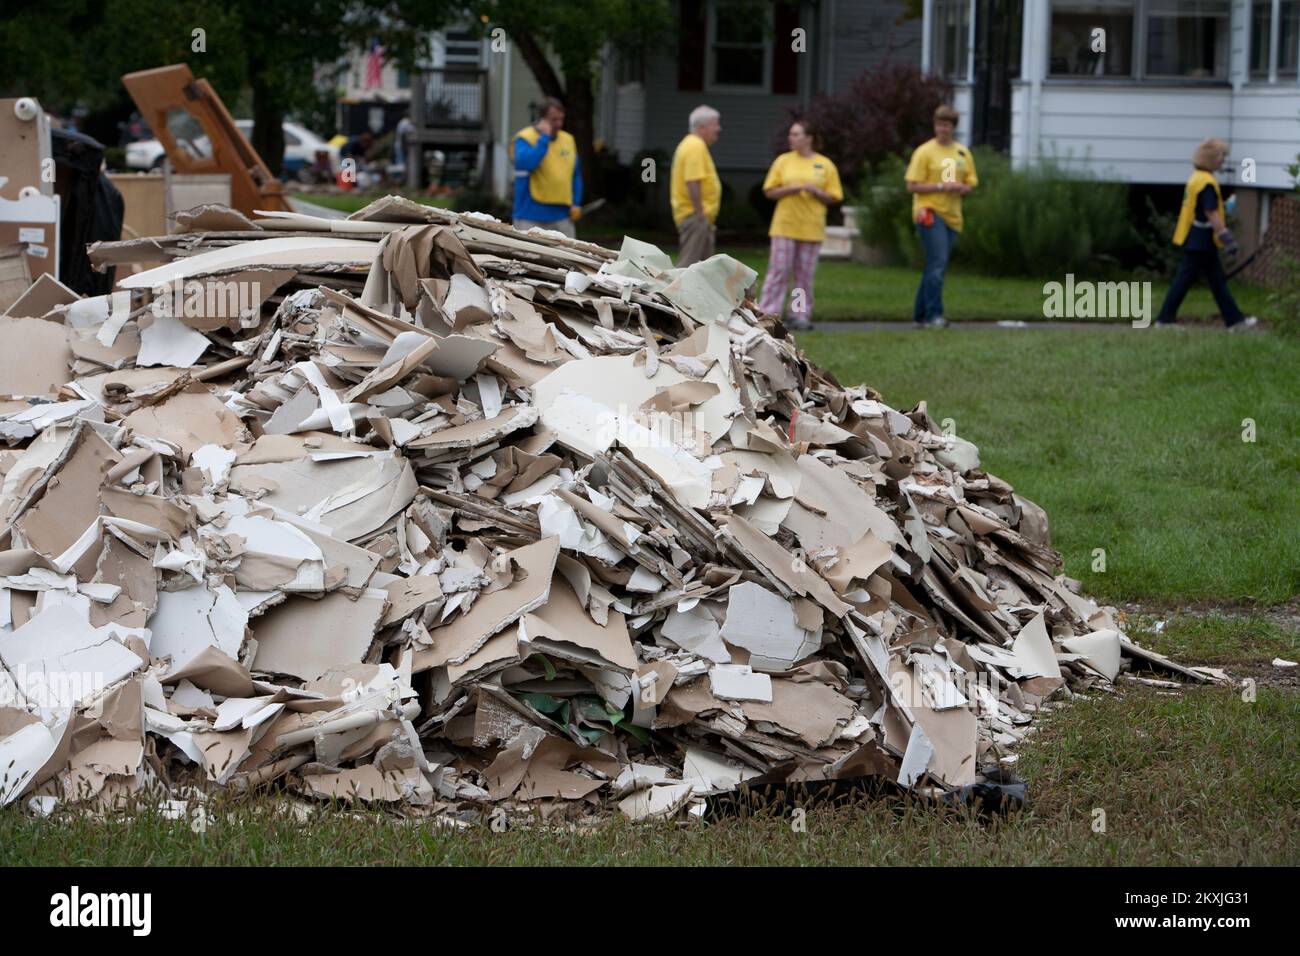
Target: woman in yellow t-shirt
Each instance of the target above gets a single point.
(803, 182)
(940, 172)
(1201, 232)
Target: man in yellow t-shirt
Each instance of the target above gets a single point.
(694, 188)
(803, 183)
(940, 172)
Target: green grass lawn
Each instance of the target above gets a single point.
(351, 202)
(1132, 442)
(849, 291)
(1130, 439)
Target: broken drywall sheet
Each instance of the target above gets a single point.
(188, 622)
(765, 624)
(304, 638)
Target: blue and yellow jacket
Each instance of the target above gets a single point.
(548, 176)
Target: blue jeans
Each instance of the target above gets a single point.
(938, 241)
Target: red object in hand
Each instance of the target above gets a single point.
(927, 217)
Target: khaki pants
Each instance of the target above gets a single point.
(560, 225)
(696, 236)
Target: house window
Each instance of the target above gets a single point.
(1288, 38)
(951, 38)
(1092, 38)
(1262, 65)
(1187, 38)
(1150, 39)
(739, 54)
(1261, 34)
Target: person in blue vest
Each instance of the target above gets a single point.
(548, 176)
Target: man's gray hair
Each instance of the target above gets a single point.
(701, 115)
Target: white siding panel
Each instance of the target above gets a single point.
(1142, 134)
(1193, 102)
(1129, 127)
(1020, 96)
(961, 102)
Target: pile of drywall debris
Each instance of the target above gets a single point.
(414, 507)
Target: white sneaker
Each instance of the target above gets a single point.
(1249, 322)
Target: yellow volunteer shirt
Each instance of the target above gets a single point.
(1191, 194)
(800, 215)
(932, 163)
(692, 162)
(551, 183)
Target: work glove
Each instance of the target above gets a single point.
(1229, 241)
(575, 213)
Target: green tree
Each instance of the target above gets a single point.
(74, 53)
(68, 53)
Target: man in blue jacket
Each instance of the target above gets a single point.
(548, 176)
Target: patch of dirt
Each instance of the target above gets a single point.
(1285, 616)
(1266, 675)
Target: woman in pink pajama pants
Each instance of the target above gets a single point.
(803, 182)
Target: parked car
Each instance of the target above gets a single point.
(304, 151)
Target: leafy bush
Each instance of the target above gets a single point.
(1162, 255)
(885, 212)
(637, 204)
(885, 111)
(740, 217)
(1039, 222)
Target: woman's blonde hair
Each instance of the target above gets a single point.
(1210, 155)
(946, 112)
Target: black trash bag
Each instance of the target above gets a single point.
(91, 209)
(1001, 792)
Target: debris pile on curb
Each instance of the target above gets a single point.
(412, 507)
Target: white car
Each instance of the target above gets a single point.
(301, 148)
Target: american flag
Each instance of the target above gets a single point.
(375, 65)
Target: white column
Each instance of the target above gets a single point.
(927, 18)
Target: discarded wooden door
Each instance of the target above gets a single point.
(199, 135)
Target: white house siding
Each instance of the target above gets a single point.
(1147, 134)
(961, 102)
(1266, 128)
